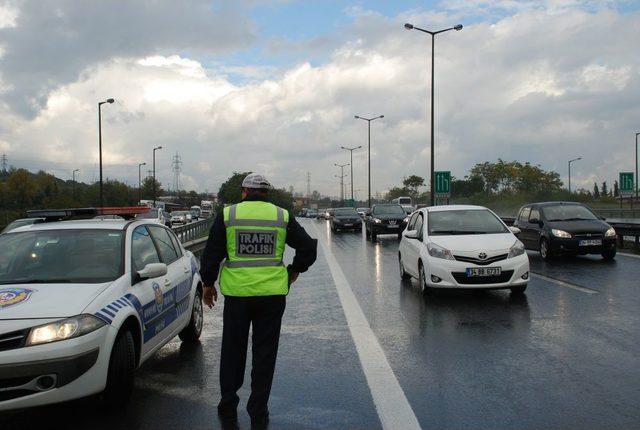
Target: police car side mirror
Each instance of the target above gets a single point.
(150, 271)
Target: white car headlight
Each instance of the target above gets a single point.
(439, 252)
(561, 233)
(610, 233)
(377, 220)
(64, 329)
(516, 249)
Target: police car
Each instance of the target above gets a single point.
(83, 303)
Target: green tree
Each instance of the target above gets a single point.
(231, 192)
(604, 190)
(412, 183)
(146, 189)
(21, 189)
(616, 189)
(596, 191)
(396, 192)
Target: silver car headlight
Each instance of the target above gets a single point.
(516, 249)
(64, 329)
(437, 251)
(561, 233)
(610, 233)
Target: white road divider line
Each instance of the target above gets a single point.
(629, 255)
(391, 403)
(560, 283)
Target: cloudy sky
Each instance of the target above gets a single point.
(273, 86)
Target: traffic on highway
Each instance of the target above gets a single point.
(310, 215)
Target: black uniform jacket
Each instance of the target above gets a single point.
(216, 249)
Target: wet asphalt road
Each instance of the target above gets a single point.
(565, 355)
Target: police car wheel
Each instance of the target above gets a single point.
(122, 365)
(191, 332)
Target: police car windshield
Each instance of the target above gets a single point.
(61, 256)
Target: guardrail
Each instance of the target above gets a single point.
(193, 231)
(618, 213)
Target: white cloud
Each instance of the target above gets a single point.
(535, 86)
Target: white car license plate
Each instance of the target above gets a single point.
(591, 242)
(348, 225)
(483, 271)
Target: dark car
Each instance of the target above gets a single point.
(345, 219)
(385, 219)
(312, 213)
(565, 228)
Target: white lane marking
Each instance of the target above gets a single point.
(629, 255)
(560, 283)
(391, 403)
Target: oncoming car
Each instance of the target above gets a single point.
(462, 247)
(84, 303)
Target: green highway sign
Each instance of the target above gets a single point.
(626, 182)
(443, 183)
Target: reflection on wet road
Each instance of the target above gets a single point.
(557, 357)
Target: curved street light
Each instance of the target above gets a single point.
(351, 155)
(433, 48)
(571, 161)
(140, 181)
(110, 101)
(368, 150)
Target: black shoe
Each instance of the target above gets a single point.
(260, 423)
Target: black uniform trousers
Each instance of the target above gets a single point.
(264, 314)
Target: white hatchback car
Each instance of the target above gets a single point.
(84, 303)
(460, 247)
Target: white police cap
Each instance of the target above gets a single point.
(256, 181)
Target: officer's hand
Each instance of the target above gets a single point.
(210, 296)
(293, 276)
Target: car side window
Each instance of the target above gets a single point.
(143, 251)
(419, 224)
(412, 222)
(534, 215)
(163, 241)
(176, 243)
(524, 214)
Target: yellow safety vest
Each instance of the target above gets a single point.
(256, 238)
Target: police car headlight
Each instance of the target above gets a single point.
(611, 232)
(516, 249)
(64, 329)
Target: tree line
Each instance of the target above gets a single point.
(21, 190)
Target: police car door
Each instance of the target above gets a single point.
(179, 273)
(148, 296)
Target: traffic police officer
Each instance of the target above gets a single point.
(251, 236)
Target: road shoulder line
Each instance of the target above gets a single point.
(560, 283)
(391, 403)
(628, 255)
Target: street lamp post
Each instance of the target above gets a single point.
(154, 174)
(433, 47)
(140, 181)
(100, 141)
(342, 166)
(369, 149)
(351, 155)
(73, 175)
(571, 161)
(636, 178)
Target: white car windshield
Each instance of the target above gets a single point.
(61, 256)
(474, 221)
